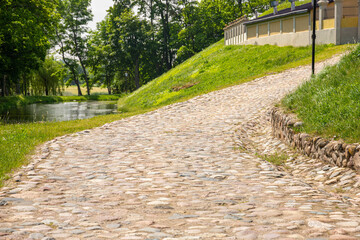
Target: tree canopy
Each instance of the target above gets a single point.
(136, 42)
(27, 26)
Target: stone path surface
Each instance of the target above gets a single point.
(175, 173)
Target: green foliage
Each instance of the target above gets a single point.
(101, 56)
(329, 103)
(217, 67)
(284, 5)
(184, 53)
(27, 26)
(48, 79)
(161, 35)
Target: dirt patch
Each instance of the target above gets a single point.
(181, 87)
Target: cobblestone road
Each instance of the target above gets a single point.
(174, 173)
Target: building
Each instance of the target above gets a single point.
(337, 22)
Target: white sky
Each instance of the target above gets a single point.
(99, 8)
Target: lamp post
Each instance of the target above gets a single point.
(313, 37)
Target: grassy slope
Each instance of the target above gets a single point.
(329, 104)
(217, 67)
(9, 102)
(284, 5)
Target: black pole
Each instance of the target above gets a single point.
(313, 37)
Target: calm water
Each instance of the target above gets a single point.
(59, 111)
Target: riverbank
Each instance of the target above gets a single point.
(10, 102)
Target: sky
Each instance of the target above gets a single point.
(99, 8)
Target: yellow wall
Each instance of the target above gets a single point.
(349, 22)
(263, 30)
(328, 23)
(302, 23)
(251, 31)
(275, 28)
(287, 25)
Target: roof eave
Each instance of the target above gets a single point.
(302, 11)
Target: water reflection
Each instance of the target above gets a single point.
(59, 111)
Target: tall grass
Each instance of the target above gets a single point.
(329, 104)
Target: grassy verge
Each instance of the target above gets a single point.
(329, 104)
(17, 141)
(10, 102)
(218, 67)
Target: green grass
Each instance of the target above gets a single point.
(284, 5)
(276, 158)
(329, 104)
(218, 67)
(10, 102)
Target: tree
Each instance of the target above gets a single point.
(134, 36)
(71, 33)
(101, 56)
(49, 78)
(26, 29)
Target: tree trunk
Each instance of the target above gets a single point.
(46, 90)
(137, 73)
(85, 75)
(166, 35)
(108, 83)
(25, 87)
(3, 86)
(77, 84)
(17, 90)
(240, 7)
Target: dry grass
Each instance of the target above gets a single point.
(72, 91)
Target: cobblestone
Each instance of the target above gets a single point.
(185, 171)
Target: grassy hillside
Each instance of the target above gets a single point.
(217, 67)
(329, 104)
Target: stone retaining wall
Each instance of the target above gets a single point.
(330, 151)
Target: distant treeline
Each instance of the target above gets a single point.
(136, 42)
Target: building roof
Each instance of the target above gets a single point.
(281, 13)
(236, 21)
